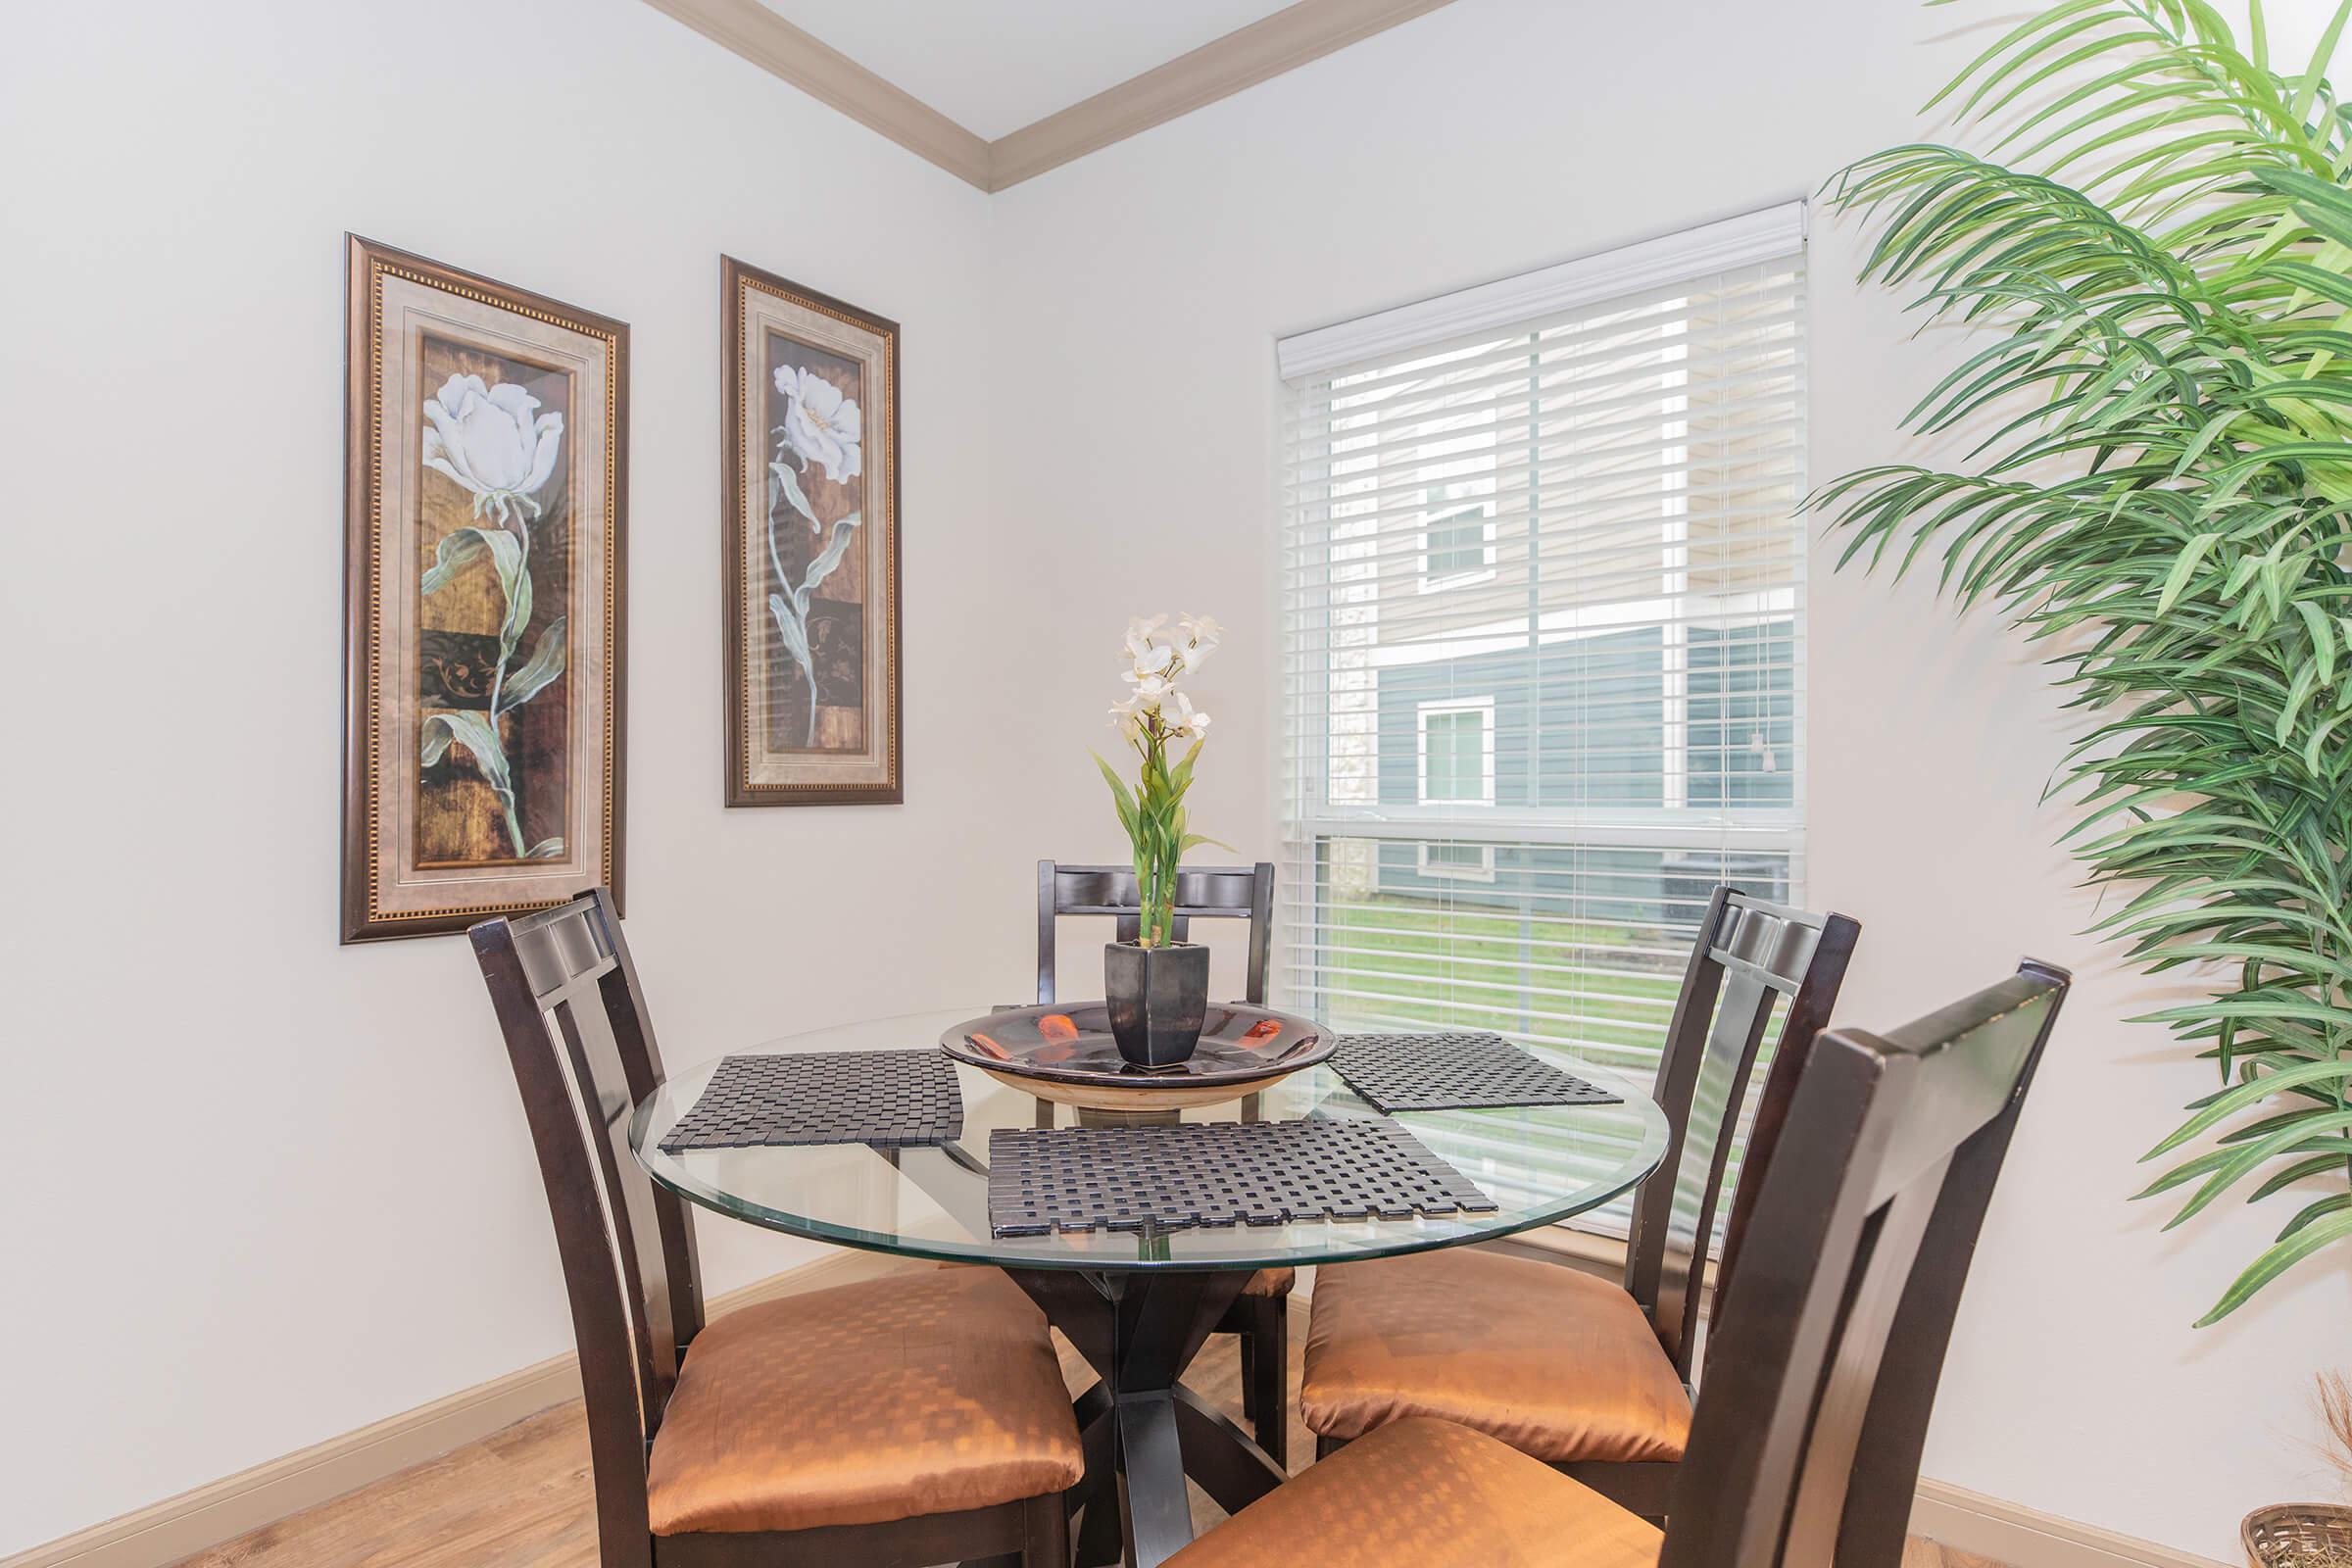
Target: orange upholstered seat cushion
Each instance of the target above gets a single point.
(918, 1393)
(1427, 1495)
(1271, 1282)
(1556, 1364)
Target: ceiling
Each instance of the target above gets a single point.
(997, 67)
(999, 91)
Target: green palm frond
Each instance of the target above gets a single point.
(2157, 245)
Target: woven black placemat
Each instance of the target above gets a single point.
(1215, 1173)
(1459, 1071)
(892, 1097)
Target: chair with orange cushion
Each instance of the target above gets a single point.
(1260, 1316)
(915, 1419)
(1804, 1452)
(1575, 1371)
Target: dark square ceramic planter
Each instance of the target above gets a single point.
(1158, 998)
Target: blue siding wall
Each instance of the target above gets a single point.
(1581, 724)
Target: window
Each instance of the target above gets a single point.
(1457, 547)
(1543, 590)
(1457, 752)
(1458, 768)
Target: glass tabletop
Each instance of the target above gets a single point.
(1540, 1164)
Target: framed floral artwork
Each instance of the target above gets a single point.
(485, 456)
(811, 547)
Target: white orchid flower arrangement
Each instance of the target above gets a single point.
(496, 445)
(821, 426)
(1155, 714)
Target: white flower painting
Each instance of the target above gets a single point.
(822, 431)
(486, 598)
(812, 483)
(491, 439)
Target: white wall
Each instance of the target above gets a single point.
(307, 1203)
(259, 1189)
(1140, 290)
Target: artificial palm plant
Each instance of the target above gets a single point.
(2156, 242)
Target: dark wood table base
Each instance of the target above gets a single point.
(1145, 1432)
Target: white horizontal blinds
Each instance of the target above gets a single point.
(1543, 657)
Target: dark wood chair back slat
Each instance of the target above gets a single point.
(1749, 955)
(584, 1054)
(1804, 1450)
(1202, 892)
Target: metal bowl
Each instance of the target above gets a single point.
(1065, 1053)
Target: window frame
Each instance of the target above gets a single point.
(1450, 707)
(1482, 872)
(1469, 510)
(1347, 563)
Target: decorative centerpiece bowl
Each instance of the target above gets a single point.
(1068, 1054)
(2298, 1535)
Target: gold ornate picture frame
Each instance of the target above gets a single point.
(809, 547)
(485, 597)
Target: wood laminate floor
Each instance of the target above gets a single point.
(520, 1498)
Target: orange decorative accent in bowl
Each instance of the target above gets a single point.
(1065, 1052)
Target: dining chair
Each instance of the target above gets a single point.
(1580, 1372)
(1259, 1317)
(1806, 1449)
(915, 1419)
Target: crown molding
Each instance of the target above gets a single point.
(1266, 48)
(831, 78)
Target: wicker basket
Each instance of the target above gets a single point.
(2298, 1535)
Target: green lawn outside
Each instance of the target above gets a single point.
(1439, 968)
(1611, 1008)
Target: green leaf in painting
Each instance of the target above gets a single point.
(789, 628)
(789, 483)
(477, 737)
(473, 734)
(464, 546)
(829, 557)
(535, 672)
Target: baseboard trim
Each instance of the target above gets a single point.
(1986, 1527)
(165, 1532)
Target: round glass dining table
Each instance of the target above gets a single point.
(1138, 1305)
